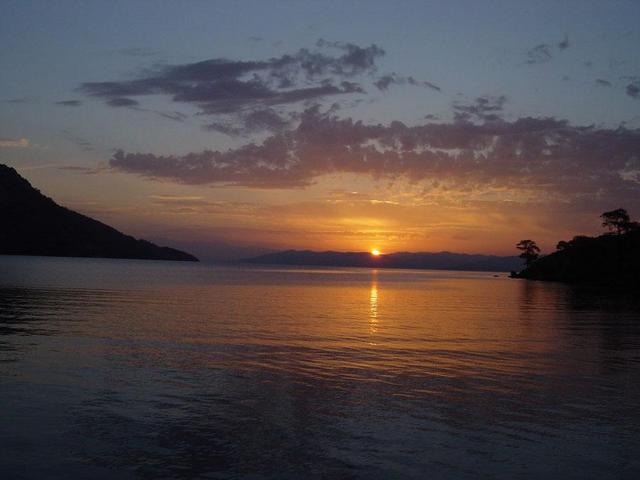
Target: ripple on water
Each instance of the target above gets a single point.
(150, 370)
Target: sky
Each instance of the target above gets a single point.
(232, 128)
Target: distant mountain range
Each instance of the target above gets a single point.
(422, 260)
(32, 224)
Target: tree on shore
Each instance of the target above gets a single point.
(530, 251)
(618, 221)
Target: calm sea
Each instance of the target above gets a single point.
(139, 369)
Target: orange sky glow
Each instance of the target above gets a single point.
(389, 217)
(227, 142)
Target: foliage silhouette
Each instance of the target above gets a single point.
(612, 258)
(617, 221)
(530, 251)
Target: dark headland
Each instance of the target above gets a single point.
(33, 224)
(612, 259)
(423, 260)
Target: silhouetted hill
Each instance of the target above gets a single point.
(436, 261)
(612, 259)
(32, 224)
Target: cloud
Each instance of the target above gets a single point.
(603, 83)
(14, 142)
(80, 142)
(69, 103)
(176, 198)
(188, 204)
(83, 169)
(84, 145)
(543, 53)
(633, 89)
(385, 81)
(564, 44)
(255, 121)
(355, 59)
(530, 158)
(223, 86)
(122, 102)
(539, 54)
(486, 108)
(175, 116)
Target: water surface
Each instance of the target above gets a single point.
(139, 369)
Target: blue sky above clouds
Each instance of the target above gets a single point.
(228, 97)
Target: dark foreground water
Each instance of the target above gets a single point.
(133, 369)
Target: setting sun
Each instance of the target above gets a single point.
(246, 166)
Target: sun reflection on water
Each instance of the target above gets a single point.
(373, 303)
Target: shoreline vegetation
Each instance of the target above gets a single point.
(33, 224)
(609, 259)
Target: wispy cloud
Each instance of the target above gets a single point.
(254, 121)
(17, 100)
(175, 116)
(539, 54)
(486, 108)
(69, 103)
(385, 81)
(251, 96)
(189, 204)
(122, 102)
(544, 52)
(224, 86)
(602, 83)
(100, 168)
(14, 142)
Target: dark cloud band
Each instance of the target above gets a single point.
(223, 86)
(544, 155)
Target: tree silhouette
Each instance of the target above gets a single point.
(562, 244)
(617, 221)
(633, 226)
(530, 251)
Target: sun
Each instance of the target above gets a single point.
(375, 252)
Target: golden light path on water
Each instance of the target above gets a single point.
(373, 304)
